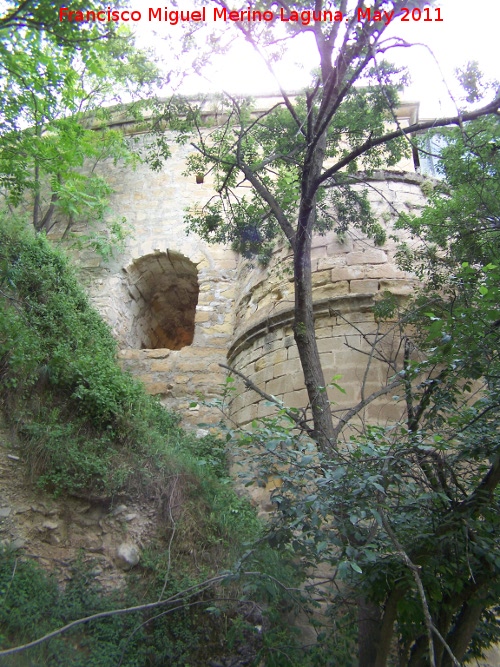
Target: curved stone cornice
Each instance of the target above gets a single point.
(285, 317)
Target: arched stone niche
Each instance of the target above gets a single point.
(164, 288)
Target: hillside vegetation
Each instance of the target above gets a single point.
(85, 428)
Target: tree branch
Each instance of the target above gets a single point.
(357, 408)
(492, 107)
(182, 595)
(415, 570)
(300, 421)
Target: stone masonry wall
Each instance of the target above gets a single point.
(162, 268)
(349, 274)
(179, 307)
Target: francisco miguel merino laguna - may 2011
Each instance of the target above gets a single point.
(305, 17)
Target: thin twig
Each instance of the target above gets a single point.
(169, 548)
(357, 408)
(415, 570)
(299, 420)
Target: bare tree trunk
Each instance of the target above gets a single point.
(465, 626)
(443, 625)
(386, 631)
(36, 202)
(305, 338)
(369, 625)
(305, 335)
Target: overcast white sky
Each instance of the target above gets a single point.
(470, 30)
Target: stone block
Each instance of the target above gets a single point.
(388, 270)
(330, 290)
(328, 363)
(288, 367)
(161, 366)
(296, 399)
(202, 316)
(319, 240)
(278, 355)
(273, 337)
(204, 351)
(262, 363)
(318, 252)
(253, 354)
(325, 263)
(263, 376)
(363, 286)
(370, 256)
(228, 292)
(180, 379)
(347, 273)
(398, 287)
(196, 365)
(343, 327)
(130, 354)
(321, 278)
(247, 414)
(278, 386)
(297, 381)
(265, 409)
(324, 332)
(155, 388)
(160, 353)
(238, 403)
(337, 246)
(226, 328)
(325, 345)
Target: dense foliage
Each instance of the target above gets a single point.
(462, 223)
(418, 498)
(32, 604)
(405, 516)
(58, 80)
(269, 148)
(300, 166)
(54, 344)
(85, 426)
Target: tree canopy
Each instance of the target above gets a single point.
(57, 80)
(405, 515)
(299, 159)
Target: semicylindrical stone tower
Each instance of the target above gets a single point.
(349, 275)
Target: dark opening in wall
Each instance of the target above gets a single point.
(164, 287)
